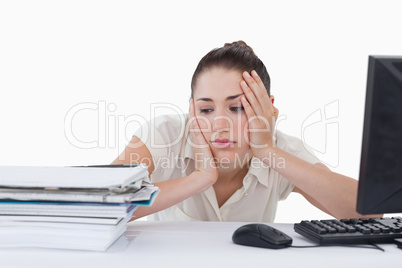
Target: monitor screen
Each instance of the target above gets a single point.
(380, 179)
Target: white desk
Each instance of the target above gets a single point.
(199, 244)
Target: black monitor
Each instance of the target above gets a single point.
(380, 179)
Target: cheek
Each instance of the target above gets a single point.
(243, 125)
(241, 130)
(245, 129)
(205, 124)
(244, 122)
(244, 132)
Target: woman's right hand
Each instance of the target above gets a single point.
(205, 164)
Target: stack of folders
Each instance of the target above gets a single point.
(82, 208)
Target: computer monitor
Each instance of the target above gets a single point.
(380, 179)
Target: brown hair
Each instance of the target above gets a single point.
(232, 56)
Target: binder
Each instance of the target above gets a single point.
(80, 208)
(71, 177)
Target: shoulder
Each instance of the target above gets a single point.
(171, 127)
(170, 123)
(287, 142)
(295, 146)
(162, 130)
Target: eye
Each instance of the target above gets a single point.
(205, 111)
(236, 109)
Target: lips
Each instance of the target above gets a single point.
(223, 143)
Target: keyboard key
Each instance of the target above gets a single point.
(354, 221)
(342, 230)
(385, 230)
(352, 231)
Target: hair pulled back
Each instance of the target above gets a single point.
(232, 56)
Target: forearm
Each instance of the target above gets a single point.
(335, 192)
(175, 191)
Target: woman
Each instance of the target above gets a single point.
(230, 164)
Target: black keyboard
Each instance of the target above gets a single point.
(351, 231)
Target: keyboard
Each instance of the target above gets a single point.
(351, 231)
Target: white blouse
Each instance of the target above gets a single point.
(166, 137)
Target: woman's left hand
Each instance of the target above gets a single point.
(261, 114)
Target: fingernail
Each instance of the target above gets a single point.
(244, 83)
(255, 73)
(247, 74)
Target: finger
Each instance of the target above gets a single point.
(259, 82)
(254, 120)
(198, 142)
(193, 120)
(265, 97)
(195, 130)
(258, 88)
(193, 125)
(255, 123)
(251, 98)
(247, 108)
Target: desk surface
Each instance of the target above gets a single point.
(198, 244)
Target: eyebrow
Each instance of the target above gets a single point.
(228, 98)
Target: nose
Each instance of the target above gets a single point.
(222, 123)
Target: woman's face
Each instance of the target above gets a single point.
(221, 116)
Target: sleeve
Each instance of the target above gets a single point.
(150, 134)
(285, 188)
(296, 147)
(308, 155)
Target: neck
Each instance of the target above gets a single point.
(228, 175)
(234, 171)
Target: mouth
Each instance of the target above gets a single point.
(223, 143)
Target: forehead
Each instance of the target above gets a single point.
(218, 83)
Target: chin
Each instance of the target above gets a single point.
(228, 157)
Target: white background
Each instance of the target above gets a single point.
(119, 57)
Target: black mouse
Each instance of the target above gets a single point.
(261, 235)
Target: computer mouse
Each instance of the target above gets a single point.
(261, 235)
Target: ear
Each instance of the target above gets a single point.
(276, 111)
(272, 98)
